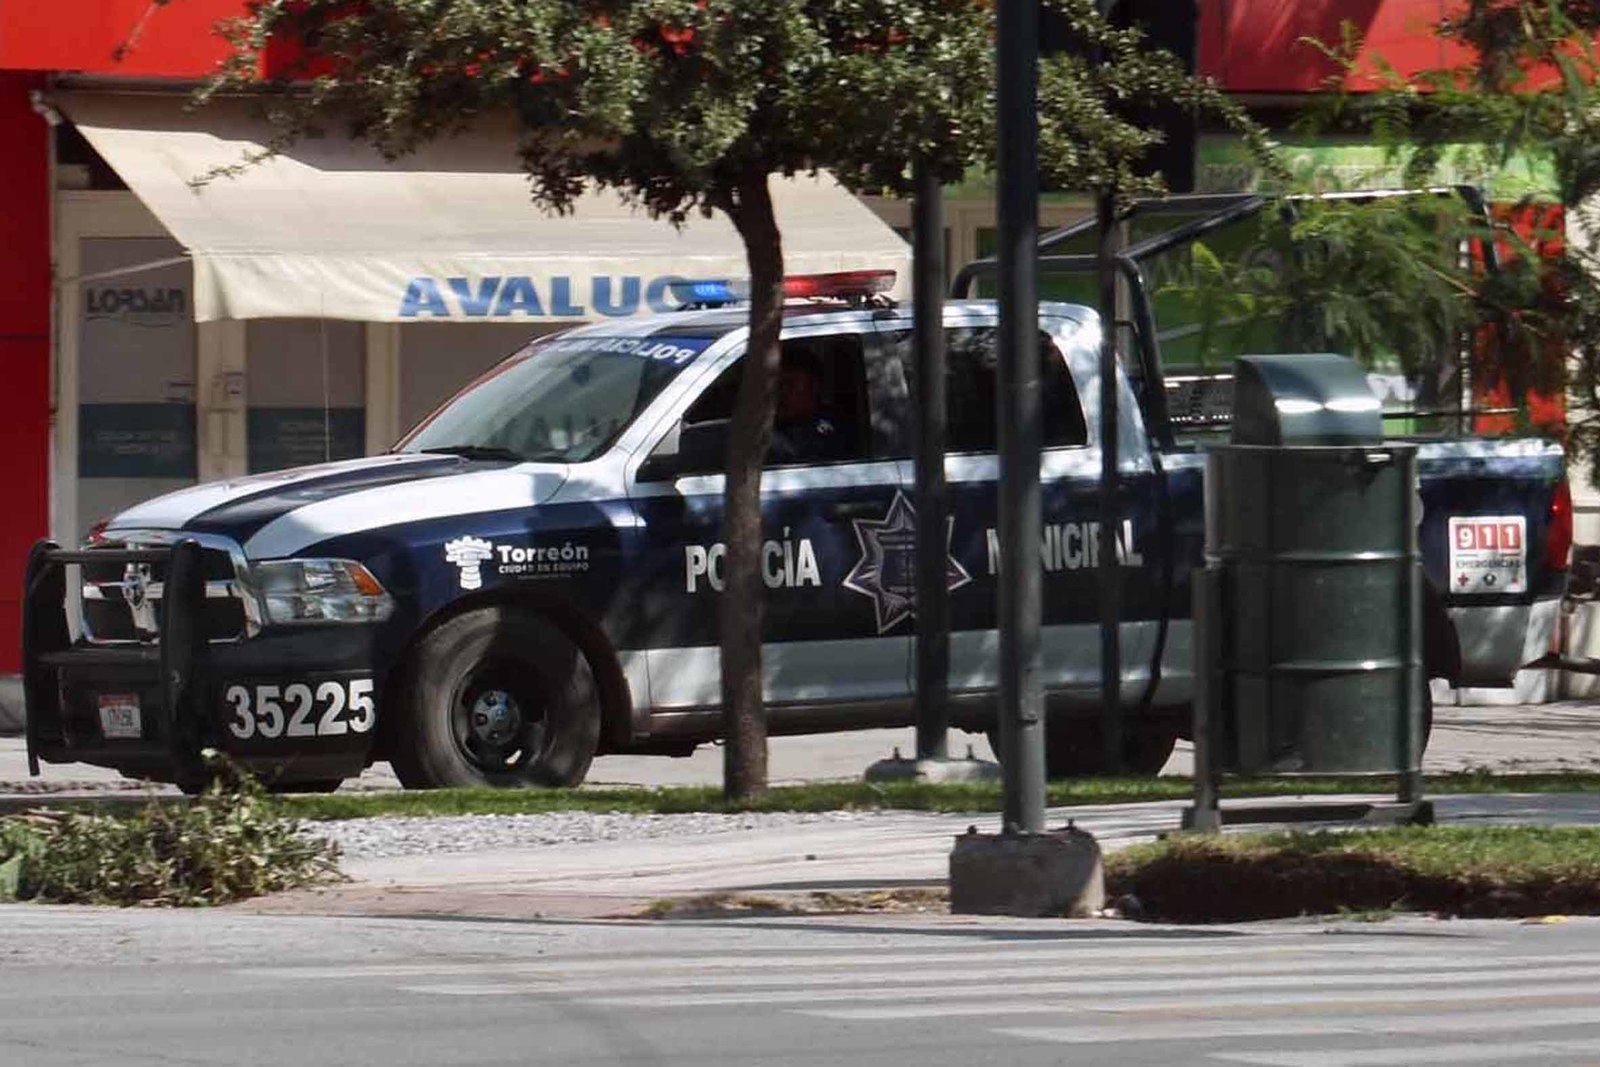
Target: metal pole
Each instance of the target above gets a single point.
(1110, 568)
(1021, 702)
(1205, 815)
(932, 498)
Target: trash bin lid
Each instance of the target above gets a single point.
(1309, 399)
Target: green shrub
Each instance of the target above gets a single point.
(1470, 871)
(228, 845)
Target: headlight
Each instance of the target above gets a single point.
(321, 590)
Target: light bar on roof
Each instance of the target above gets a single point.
(839, 285)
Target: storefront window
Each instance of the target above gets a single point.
(307, 392)
(136, 370)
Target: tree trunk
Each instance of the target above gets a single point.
(742, 607)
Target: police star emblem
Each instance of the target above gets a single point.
(887, 569)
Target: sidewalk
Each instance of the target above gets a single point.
(881, 851)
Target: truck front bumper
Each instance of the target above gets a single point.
(293, 705)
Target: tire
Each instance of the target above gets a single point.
(500, 697)
(317, 785)
(1427, 719)
(1072, 747)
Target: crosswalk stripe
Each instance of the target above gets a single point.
(1406, 984)
(1377, 998)
(898, 976)
(1404, 1057)
(1094, 1033)
(1075, 954)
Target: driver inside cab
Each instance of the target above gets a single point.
(801, 433)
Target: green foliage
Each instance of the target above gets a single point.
(1468, 871)
(1378, 280)
(1526, 91)
(671, 101)
(228, 845)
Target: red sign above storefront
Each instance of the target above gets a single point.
(175, 40)
(1262, 46)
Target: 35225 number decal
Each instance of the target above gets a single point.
(330, 709)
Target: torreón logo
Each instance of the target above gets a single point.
(517, 561)
(469, 554)
(561, 297)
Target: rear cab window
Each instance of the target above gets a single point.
(971, 360)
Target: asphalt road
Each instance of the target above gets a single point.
(137, 989)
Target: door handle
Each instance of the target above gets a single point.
(854, 509)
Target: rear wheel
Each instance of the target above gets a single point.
(1427, 720)
(318, 785)
(499, 696)
(1073, 749)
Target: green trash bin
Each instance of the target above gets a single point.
(1311, 529)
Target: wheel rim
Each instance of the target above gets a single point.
(498, 721)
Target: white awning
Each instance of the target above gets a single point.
(331, 230)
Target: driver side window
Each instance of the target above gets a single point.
(821, 413)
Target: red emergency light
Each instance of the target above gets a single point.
(840, 285)
(1558, 542)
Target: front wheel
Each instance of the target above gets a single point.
(499, 696)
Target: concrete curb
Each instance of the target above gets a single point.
(365, 901)
(11, 706)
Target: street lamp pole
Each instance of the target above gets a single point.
(1109, 571)
(1018, 414)
(932, 496)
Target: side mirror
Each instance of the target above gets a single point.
(690, 448)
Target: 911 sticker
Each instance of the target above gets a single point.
(301, 709)
(1488, 554)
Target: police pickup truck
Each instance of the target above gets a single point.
(530, 577)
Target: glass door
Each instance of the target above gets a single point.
(136, 372)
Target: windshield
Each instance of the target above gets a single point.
(560, 400)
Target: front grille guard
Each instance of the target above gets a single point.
(180, 653)
(239, 587)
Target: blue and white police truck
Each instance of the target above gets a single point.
(530, 577)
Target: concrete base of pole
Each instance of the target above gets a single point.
(899, 769)
(1365, 813)
(1056, 873)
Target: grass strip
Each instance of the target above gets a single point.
(1477, 872)
(884, 796)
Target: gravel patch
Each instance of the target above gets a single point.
(403, 835)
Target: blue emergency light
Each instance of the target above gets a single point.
(707, 292)
(842, 285)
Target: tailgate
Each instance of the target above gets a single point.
(1487, 518)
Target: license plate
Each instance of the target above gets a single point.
(119, 716)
